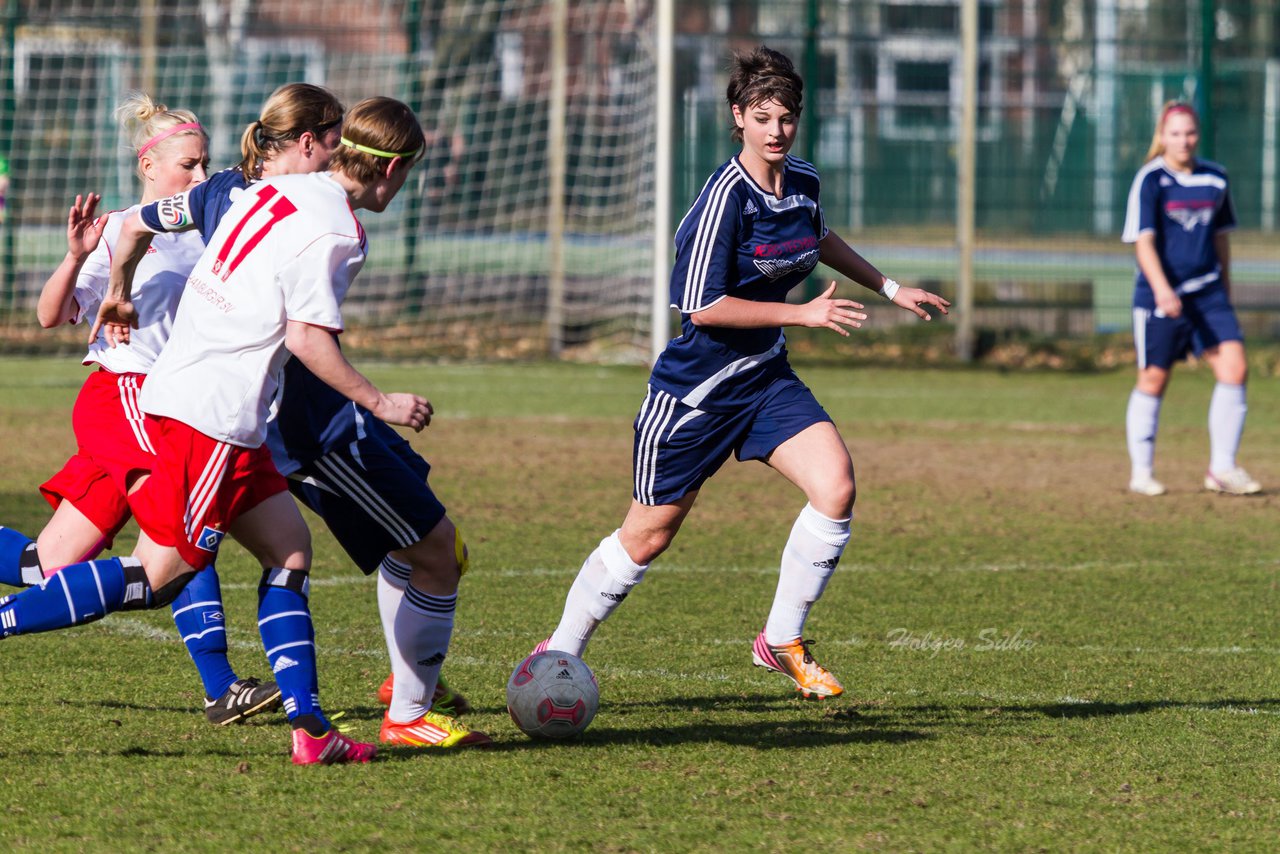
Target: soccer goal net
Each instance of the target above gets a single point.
(527, 228)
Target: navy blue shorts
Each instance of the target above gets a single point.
(1206, 321)
(678, 447)
(372, 494)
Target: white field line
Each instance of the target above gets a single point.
(246, 639)
(744, 676)
(568, 572)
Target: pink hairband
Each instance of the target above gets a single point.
(165, 134)
(1179, 108)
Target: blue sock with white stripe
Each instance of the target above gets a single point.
(424, 624)
(198, 614)
(19, 566)
(284, 621)
(76, 594)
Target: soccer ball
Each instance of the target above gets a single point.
(552, 694)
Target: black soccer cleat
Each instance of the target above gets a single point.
(244, 699)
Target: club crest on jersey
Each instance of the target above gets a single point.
(1190, 214)
(776, 268)
(209, 539)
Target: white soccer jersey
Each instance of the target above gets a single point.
(287, 249)
(158, 285)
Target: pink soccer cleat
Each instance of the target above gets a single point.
(329, 749)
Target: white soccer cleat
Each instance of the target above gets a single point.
(1145, 484)
(1233, 482)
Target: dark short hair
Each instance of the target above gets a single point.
(760, 76)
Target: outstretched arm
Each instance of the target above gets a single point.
(835, 253)
(317, 348)
(735, 313)
(56, 305)
(116, 314)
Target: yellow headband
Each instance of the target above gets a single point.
(375, 152)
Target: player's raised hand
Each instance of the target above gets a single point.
(115, 318)
(913, 300)
(83, 230)
(407, 410)
(824, 311)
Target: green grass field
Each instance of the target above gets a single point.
(1035, 659)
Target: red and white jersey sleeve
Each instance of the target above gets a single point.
(287, 249)
(157, 289)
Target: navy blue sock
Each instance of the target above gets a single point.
(76, 594)
(19, 566)
(198, 614)
(284, 621)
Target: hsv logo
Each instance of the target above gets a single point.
(1190, 214)
(173, 212)
(209, 539)
(214, 617)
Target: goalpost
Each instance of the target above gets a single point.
(528, 230)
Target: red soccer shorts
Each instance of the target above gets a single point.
(198, 487)
(113, 447)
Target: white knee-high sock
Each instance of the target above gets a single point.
(393, 578)
(1141, 423)
(424, 625)
(1227, 409)
(606, 577)
(808, 560)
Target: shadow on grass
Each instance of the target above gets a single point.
(992, 714)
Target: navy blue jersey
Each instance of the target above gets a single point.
(200, 208)
(1184, 211)
(740, 241)
(312, 418)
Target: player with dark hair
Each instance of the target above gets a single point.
(114, 451)
(272, 276)
(1179, 217)
(725, 386)
(356, 473)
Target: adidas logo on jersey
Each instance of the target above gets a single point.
(750, 208)
(1166, 181)
(284, 662)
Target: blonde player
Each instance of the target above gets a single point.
(90, 493)
(1179, 219)
(272, 276)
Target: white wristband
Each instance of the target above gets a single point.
(890, 289)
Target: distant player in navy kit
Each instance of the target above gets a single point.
(1179, 216)
(725, 386)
